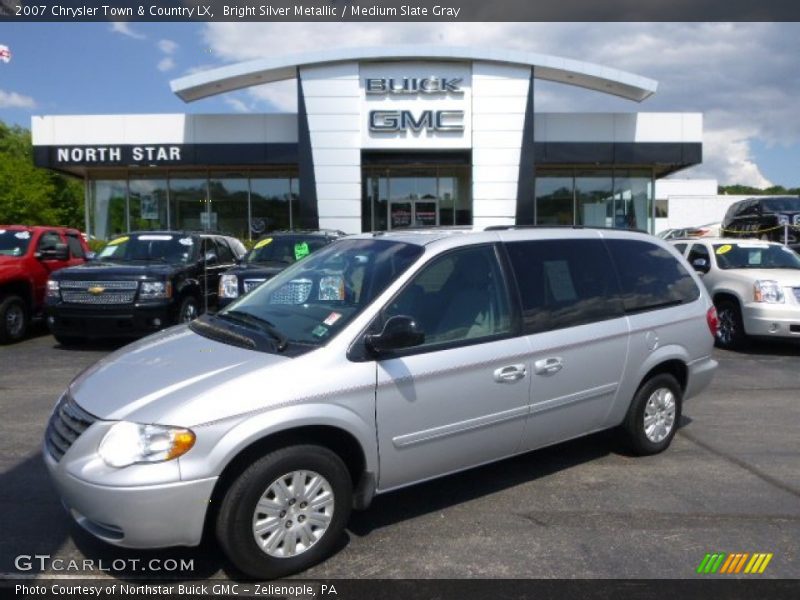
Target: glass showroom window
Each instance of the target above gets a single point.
(274, 202)
(148, 203)
(229, 202)
(555, 198)
(188, 196)
(107, 208)
(594, 199)
(633, 194)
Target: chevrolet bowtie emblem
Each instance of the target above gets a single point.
(96, 290)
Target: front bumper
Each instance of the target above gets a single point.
(140, 516)
(133, 320)
(772, 320)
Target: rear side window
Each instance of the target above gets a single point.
(563, 283)
(649, 276)
(75, 247)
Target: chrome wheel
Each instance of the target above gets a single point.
(293, 513)
(188, 311)
(15, 320)
(726, 328)
(659, 414)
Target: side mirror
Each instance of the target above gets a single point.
(700, 265)
(57, 252)
(91, 255)
(400, 331)
(211, 257)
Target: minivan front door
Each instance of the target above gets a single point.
(460, 399)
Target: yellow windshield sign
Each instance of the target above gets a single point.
(118, 241)
(262, 243)
(724, 249)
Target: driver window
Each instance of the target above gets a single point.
(48, 241)
(460, 296)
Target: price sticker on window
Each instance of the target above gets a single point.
(724, 249)
(301, 250)
(262, 243)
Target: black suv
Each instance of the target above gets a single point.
(270, 255)
(139, 283)
(773, 218)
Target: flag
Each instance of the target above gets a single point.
(5, 54)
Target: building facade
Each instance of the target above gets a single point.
(383, 138)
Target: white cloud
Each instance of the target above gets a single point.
(166, 64)
(15, 100)
(123, 28)
(740, 75)
(167, 46)
(237, 105)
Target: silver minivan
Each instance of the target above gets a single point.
(380, 361)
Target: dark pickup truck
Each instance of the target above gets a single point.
(28, 256)
(139, 283)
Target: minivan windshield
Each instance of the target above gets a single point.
(14, 242)
(315, 298)
(163, 247)
(754, 255)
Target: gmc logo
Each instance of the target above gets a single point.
(402, 120)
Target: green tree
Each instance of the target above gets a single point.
(30, 195)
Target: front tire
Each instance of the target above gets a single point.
(14, 319)
(730, 331)
(188, 310)
(654, 415)
(285, 512)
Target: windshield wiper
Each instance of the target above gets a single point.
(241, 316)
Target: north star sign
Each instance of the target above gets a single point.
(117, 154)
(393, 121)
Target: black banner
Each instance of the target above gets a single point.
(397, 10)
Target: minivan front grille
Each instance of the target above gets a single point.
(67, 423)
(98, 292)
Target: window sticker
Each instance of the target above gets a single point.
(118, 241)
(754, 257)
(725, 248)
(331, 287)
(301, 250)
(752, 245)
(262, 243)
(187, 241)
(23, 235)
(155, 238)
(320, 331)
(332, 318)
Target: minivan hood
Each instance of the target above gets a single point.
(155, 380)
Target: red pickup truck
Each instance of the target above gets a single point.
(27, 257)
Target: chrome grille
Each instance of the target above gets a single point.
(296, 291)
(113, 292)
(67, 423)
(251, 284)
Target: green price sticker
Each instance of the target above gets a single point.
(301, 250)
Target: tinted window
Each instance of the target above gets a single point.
(284, 249)
(49, 240)
(650, 277)
(223, 251)
(563, 283)
(781, 204)
(149, 247)
(75, 247)
(753, 255)
(14, 243)
(680, 247)
(460, 296)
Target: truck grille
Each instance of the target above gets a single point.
(99, 292)
(251, 284)
(67, 423)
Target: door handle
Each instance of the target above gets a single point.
(510, 374)
(548, 366)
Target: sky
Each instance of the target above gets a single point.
(743, 77)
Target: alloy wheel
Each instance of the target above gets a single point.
(659, 415)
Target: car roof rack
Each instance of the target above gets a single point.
(597, 227)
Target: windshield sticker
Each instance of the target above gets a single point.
(118, 241)
(754, 258)
(724, 249)
(752, 245)
(184, 241)
(262, 243)
(320, 331)
(154, 238)
(23, 235)
(301, 250)
(332, 318)
(331, 288)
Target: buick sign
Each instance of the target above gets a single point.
(382, 86)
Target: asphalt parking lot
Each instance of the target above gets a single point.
(585, 509)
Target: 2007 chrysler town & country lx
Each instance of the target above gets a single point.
(379, 361)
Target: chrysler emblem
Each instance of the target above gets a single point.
(96, 290)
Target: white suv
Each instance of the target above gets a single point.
(755, 286)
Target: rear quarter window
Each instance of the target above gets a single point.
(649, 276)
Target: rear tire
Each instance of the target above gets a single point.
(14, 319)
(730, 331)
(285, 512)
(654, 415)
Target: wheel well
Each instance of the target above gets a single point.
(338, 441)
(18, 288)
(725, 296)
(676, 368)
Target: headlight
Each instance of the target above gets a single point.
(52, 289)
(767, 291)
(153, 290)
(228, 286)
(128, 443)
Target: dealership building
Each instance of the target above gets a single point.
(383, 138)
